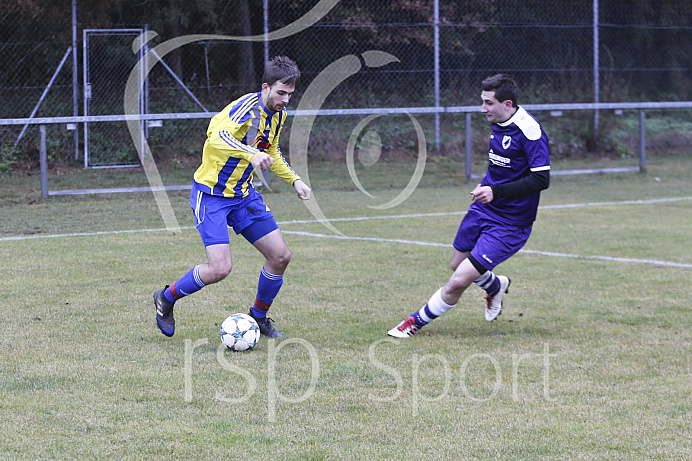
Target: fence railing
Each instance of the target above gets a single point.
(555, 110)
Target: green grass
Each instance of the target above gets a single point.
(590, 359)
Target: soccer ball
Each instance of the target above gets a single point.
(240, 332)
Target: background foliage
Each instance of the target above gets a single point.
(546, 46)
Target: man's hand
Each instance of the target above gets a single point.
(483, 194)
(302, 190)
(262, 161)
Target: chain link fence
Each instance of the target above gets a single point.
(642, 45)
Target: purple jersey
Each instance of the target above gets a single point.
(517, 147)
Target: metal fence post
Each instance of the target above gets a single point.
(44, 162)
(642, 141)
(436, 65)
(596, 69)
(75, 78)
(467, 155)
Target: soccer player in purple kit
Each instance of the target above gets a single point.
(499, 221)
(241, 139)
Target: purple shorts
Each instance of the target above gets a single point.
(489, 241)
(248, 216)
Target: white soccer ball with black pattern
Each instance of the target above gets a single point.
(240, 332)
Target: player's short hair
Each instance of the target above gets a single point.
(504, 87)
(281, 69)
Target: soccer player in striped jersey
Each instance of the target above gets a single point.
(242, 139)
(505, 203)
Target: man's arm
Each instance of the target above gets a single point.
(280, 166)
(536, 181)
(302, 189)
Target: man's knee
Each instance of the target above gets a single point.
(463, 276)
(458, 282)
(218, 271)
(457, 258)
(282, 258)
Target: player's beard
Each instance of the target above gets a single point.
(272, 106)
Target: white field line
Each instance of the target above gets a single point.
(367, 239)
(608, 258)
(454, 213)
(83, 234)
(447, 245)
(370, 218)
(412, 242)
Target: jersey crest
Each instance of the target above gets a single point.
(517, 147)
(261, 143)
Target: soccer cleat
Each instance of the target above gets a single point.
(266, 327)
(164, 313)
(405, 329)
(494, 308)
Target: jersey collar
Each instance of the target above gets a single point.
(509, 120)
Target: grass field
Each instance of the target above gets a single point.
(591, 358)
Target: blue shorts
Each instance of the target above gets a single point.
(248, 216)
(489, 241)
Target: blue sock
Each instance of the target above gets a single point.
(268, 287)
(489, 282)
(186, 285)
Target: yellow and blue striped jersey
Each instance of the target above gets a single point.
(235, 135)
